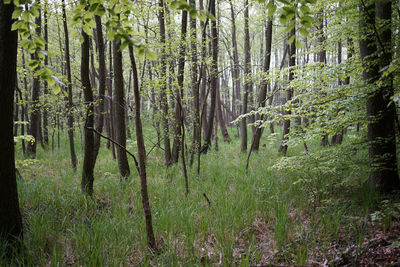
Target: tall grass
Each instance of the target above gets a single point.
(251, 215)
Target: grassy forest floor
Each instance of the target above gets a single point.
(299, 210)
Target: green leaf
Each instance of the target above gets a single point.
(39, 42)
(100, 11)
(303, 32)
(86, 28)
(151, 55)
(56, 90)
(284, 2)
(34, 11)
(17, 12)
(33, 63)
(50, 81)
(305, 9)
(283, 19)
(291, 39)
(298, 44)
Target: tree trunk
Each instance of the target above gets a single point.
(322, 61)
(264, 87)
(70, 104)
(380, 113)
(142, 157)
(163, 89)
(10, 216)
(179, 93)
(247, 83)
(289, 93)
(88, 163)
(34, 120)
(119, 107)
(214, 76)
(236, 65)
(46, 62)
(220, 118)
(195, 87)
(102, 85)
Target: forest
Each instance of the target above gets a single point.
(199, 133)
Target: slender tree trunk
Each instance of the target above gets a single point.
(46, 62)
(88, 163)
(195, 86)
(34, 120)
(289, 93)
(10, 216)
(220, 117)
(264, 87)
(179, 93)
(247, 83)
(119, 107)
(322, 61)
(213, 76)
(70, 105)
(102, 85)
(142, 157)
(163, 94)
(236, 65)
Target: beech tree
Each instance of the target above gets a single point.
(10, 216)
(375, 50)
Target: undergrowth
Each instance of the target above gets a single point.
(284, 209)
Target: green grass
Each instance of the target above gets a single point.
(265, 215)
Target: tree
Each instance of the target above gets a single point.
(10, 216)
(142, 156)
(119, 107)
(380, 110)
(163, 75)
(179, 93)
(70, 105)
(34, 120)
(263, 92)
(88, 163)
(213, 78)
(195, 86)
(102, 84)
(289, 92)
(247, 83)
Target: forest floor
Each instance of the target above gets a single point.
(299, 210)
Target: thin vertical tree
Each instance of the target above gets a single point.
(46, 62)
(88, 163)
(70, 104)
(247, 82)
(102, 85)
(176, 147)
(142, 155)
(264, 88)
(119, 108)
(213, 77)
(289, 92)
(34, 119)
(195, 85)
(163, 87)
